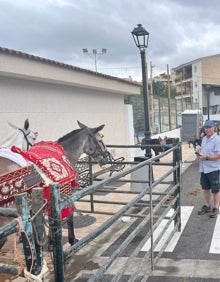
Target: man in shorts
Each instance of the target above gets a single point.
(209, 167)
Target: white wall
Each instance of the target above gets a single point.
(54, 96)
(53, 110)
(172, 134)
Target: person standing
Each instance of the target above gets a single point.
(200, 134)
(209, 167)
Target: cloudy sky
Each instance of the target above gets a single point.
(180, 31)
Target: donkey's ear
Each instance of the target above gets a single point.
(99, 128)
(81, 125)
(159, 138)
(26, 124)
(12, 125)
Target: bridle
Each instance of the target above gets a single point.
(29, 144)
(101, 148)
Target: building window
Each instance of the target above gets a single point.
(196, 84)
(195, 68)
(213, 109)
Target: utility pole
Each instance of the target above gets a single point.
(152, 96)
(191, 95)
(208, 87)
(169, 105)
(181, 78)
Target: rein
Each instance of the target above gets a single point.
(26, 138)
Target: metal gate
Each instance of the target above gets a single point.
(157, 200)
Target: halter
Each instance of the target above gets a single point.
(26, 138)
(101, 148)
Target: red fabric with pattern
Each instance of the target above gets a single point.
(51, 158)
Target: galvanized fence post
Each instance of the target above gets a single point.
(177, 157)
(56, 232)
(38, 224)
(27, 235)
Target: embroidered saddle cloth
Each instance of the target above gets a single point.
(51, 159)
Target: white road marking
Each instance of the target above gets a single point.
(185, 214)
(215, 243)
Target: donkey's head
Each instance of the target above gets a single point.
(23, 137)
(94, 145)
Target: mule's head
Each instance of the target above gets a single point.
(163, 142)
(168, 142)
(95, 147)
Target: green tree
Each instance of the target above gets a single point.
(138, 111)
(160, 89)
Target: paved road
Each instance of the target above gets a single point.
(191, 259)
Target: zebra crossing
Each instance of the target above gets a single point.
(186, 212)
(185, 215)
(215, 243)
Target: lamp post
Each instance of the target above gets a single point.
(95, 55)
(141, 37)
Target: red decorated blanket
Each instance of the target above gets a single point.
(51, 159)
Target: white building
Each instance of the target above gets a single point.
(198, 86)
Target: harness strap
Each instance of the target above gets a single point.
(26, 138)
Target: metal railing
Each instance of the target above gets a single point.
(154, 205)
(151, 201)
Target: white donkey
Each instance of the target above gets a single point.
(23, 138)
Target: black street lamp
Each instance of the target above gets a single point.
(141, 37)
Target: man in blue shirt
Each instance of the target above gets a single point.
(209, 167)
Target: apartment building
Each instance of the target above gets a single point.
(198, 86)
